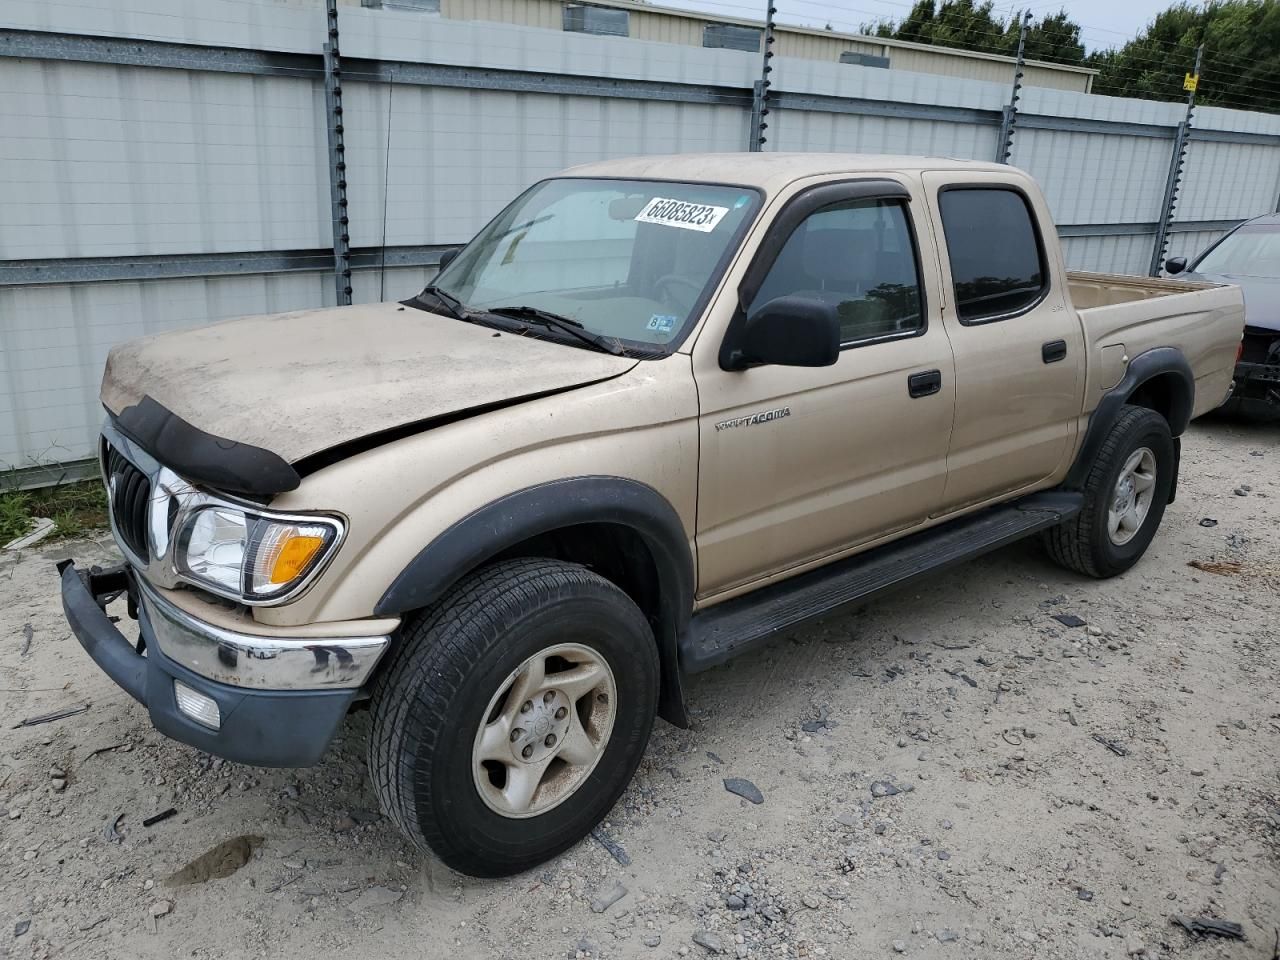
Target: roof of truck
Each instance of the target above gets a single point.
(768, 170)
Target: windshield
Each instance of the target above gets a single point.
(631, 260)
(1252, 251)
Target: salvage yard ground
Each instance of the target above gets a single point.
(950, 772)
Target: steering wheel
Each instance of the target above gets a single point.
(665, 283)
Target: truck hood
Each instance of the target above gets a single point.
(1261, 297)
(297, 384)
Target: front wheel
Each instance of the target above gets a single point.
(1124, 498)
(513, 714)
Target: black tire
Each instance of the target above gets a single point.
(1083, 544)
(451, 660)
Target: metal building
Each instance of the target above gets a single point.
(646, 21)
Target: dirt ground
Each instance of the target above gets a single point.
(1062, 792)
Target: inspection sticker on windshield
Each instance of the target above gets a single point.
(662, 322)
(679, 213)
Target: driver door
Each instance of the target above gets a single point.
(800, 464)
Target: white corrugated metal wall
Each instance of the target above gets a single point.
(120, 161)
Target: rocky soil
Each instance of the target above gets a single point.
(949, 773)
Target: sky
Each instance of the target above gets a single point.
(1105, 23)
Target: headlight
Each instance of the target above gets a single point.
(252, 557)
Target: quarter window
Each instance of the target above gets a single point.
(997, 259)
(859, 256)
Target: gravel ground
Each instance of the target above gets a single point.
(947, 773)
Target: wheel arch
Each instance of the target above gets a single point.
(1159, 379)
(622, 529)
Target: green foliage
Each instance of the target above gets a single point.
(974, 26)
(15, 516)
(1241, 66)
(77, 509)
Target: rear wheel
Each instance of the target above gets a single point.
(1125, 494)
(513, 714)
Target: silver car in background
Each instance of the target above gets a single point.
(1248, 256)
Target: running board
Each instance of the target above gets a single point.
(727, 629)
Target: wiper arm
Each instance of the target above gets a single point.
(545, 318)
(451, 303)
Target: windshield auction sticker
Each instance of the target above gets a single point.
(679, 213)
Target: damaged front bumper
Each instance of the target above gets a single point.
(261, 700)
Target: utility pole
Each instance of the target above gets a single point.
(1180, 141)
(1009, 116)
(760, 90)
(337, 161)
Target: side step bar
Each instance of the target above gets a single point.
(727, 629)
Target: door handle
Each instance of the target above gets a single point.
(1053, 351)
(924, 384)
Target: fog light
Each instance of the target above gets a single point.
(197, 706)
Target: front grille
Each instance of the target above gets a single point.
(130, 499)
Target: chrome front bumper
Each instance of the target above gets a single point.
(256, 661)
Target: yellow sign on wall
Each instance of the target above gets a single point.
(1190, 82)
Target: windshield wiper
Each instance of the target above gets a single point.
(451, 303)
(554, 321)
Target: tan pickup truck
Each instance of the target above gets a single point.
(656, 412)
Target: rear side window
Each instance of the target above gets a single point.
(860, 257)
(997, 259)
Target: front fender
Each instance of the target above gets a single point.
(488, 531)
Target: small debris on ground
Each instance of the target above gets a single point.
(1069, 620)
(109, 831)
(162, 815)
(708, 941)
(218, 862)
(1208, 522)
(51, 717)
(1223, 568)
(614, 848)
(744, 789)
(1208, 926)
(21, 927)
(27, 634)
(1113, 745)
(883, 788)
(607, 896)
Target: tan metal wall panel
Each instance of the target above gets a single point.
(529, 13)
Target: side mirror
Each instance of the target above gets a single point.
(790, 332)
(1175, 265)
(447, 256)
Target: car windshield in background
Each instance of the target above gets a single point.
(1252, 251)
(629, 260)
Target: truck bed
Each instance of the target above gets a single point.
(1125, 316)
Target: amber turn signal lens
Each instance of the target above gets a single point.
(290, 555)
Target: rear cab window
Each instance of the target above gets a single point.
(998, 264)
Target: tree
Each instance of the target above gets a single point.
(1241, 62)
(974, 26)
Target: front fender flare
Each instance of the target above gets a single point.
(543, 508)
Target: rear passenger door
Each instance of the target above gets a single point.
(800, 463)
(1017, 340)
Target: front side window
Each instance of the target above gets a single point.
(997, 259)
(629, 260)
(859, 256)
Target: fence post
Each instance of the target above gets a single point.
(337, 161)
(1009, 115)
(1180, 141)
(760, 89)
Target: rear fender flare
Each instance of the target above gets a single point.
(1155, 362)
